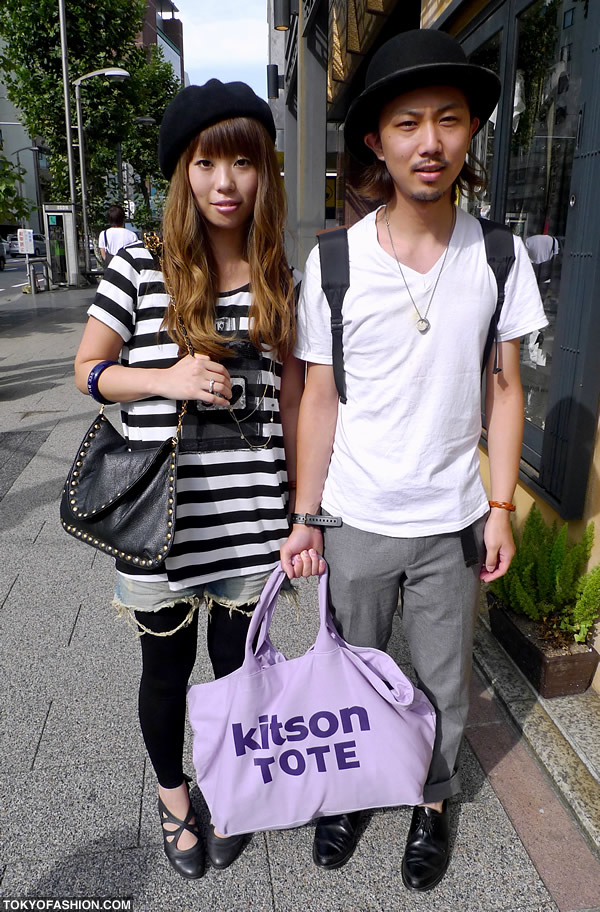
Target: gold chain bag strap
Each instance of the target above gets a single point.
(122, 500)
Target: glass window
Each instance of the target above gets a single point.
(171, 55)
(482, 147)
(544, 128)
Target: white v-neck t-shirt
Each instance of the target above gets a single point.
(405, 457)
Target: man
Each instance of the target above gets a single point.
(117, 236)
(398, 462)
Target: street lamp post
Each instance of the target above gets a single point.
(144, 120)
(65, 75)
(112, 73)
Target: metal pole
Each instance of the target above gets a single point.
(30, 267)
(86, 249)
(312, 142)
(38, 191)
(120, 189)
(65, 72)
(20, 183)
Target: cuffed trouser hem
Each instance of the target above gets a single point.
(439, 791)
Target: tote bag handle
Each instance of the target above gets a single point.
(327, 640)
(375, 666)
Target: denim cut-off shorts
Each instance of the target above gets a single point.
(235, 593)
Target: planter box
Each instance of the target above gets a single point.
(552, 675)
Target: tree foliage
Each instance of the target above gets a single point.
(100, 33)
(153, 84)
(13, 207)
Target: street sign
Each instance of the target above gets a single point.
(25, 238)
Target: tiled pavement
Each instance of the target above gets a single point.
(77, 797)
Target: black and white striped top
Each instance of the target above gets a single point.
(231, 514)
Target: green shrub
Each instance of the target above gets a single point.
(546, 581)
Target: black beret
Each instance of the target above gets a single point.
(197, 107)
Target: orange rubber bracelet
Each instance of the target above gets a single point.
(291, 485)
(503, 505)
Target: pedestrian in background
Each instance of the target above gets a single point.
(112, 239)
(222, 286)
(399, 462)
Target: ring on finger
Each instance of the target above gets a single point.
(211, 386)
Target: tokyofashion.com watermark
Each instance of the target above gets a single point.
(71, 904)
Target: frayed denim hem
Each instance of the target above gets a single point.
(128, 612)
(288, 593)
(247, 608)
(245, 604)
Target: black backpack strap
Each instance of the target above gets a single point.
(335, 281)
(500, 253)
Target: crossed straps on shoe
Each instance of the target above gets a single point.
(172, 837)
(187, 862)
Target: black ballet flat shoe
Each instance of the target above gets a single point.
(335, 839)
(427, 850)
(223, 850)
(187, 862)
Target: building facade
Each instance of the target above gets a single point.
(540, 150)
(163, 29)
(19, 149)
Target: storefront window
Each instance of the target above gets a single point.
(482, 148)
(544, 130)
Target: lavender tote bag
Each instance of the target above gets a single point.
(280, 741)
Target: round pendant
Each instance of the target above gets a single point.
(423, 325)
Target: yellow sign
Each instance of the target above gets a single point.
(431, 10)
(330, 192)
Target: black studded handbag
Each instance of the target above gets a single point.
(119, 500)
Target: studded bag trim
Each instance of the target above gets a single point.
(119, 500)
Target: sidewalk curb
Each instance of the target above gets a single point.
(576, 785)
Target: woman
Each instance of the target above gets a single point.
(210, 320)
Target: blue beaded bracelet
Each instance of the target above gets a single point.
(92, 381)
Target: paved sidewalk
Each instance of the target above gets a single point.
(77, 797)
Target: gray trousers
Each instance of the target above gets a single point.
(368, 574)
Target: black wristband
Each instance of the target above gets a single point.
(312, 519)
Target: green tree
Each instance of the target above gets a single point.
(13, 207)
(151, 87)
(100, 33)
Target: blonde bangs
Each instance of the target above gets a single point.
(238, 136)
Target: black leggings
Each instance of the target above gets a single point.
(167, 664)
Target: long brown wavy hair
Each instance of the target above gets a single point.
(189, 265)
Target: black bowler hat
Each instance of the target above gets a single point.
(413, 60)
(197, 107)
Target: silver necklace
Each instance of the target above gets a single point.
(423, 324)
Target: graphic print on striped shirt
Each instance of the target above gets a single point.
(231, 502)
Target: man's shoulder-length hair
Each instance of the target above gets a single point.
(374, 182)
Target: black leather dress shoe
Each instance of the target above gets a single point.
(223, 850)
(427, 852)
(335, 839)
